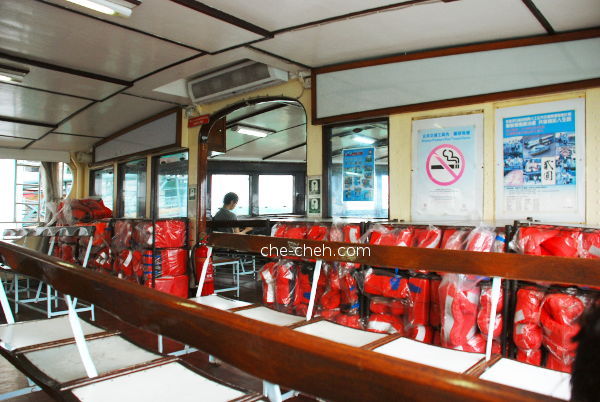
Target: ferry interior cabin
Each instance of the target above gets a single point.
(271, 200)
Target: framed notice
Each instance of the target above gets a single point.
(358, 174)
(540, 170)
(447, 168)
(313, 189)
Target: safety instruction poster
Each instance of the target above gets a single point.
(359, 174)
(540, 150)
(447, 177)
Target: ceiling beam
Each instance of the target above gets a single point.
(283, 151)
(63, 69)
(220, 15)
(27, 122)
(539, 16)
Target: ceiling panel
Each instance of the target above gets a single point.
(7, 142)
(261, 147)
(566, 15)
(292, 13)
(278, 119)
(420, 27)
(64, 142)
(50, 80)
(21, 130)
(35, 29)
(294, 155)
(178, 23)
(29, 104)
(112, 115)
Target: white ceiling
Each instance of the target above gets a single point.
(82, 64)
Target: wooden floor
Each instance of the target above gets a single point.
(11, 379)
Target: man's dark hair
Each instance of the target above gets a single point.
(584, 380)
(229, 198)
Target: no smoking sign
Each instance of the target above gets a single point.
(445, 165)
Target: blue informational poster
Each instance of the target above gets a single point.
(358, 174)
(447, 168)
(541, 166)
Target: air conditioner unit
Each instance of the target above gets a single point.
(234, 80)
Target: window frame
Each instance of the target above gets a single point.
(154, 181)
(120, 182)
(92, 182)
(326, 161)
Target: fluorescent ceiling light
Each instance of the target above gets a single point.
(257, 132)
(12, 74)
(105, 7)
(364, 140)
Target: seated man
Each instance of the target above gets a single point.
(229, 203)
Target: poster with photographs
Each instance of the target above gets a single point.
(540, 149)
(447, 168)
(358, 174)
(313, 189)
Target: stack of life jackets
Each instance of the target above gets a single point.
(340, 301)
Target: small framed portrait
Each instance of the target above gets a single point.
(314, 186)
(314, 205)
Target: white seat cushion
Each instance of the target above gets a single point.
(219, 302)
(269, 316)
(434, 356)
(531, 378)
(63, 363)
(339, 333)
(29, 333)
(169, 382)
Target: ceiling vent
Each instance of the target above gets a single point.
(238, 79)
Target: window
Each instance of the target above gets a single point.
(22, 202)
(132, 188)
(172, 185)
(358, 170)
(222, 184)
(102, 182)
(275, 194)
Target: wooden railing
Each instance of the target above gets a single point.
(280, 355)
(562, 270)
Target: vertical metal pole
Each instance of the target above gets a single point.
(84, 352)
(88, 250)
(313, 290)
(10, 319)
(496, 288)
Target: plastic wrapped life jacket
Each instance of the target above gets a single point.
(349, 320)
(559, 316)
(170, 233)
(349, 234)
(427, 238)
(567, 243)
(527, 240)
(101, 259)
(459, 299)
(383, 283)
(278, 230)
(419, 294)
(385, 324)
(349, 292)
(175, 285)
(267, 276)
(527, 332)
(102, 234)
(454, 239)
(124, 262)
(122, 234)
(590, 245)
(285, 281)
(481, 239)
(97, 208)
(319, 233)
(302, 290)
(68, 252)
(421, 333)
(142, 234)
